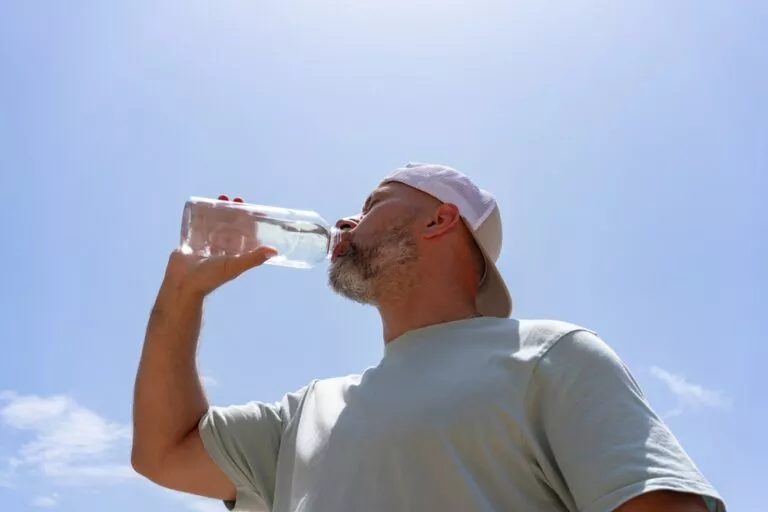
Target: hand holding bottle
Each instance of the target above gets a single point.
(197, 275)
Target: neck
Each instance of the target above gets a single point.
(421, 306)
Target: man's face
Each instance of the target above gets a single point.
(380, 244)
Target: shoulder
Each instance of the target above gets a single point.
(562, 353)
(563, 348)
(525, 340)
(573, 360)
(292, 403)
(538, 336)
(331, 386)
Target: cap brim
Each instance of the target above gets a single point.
(493, 298)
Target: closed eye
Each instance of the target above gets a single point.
(369, 206)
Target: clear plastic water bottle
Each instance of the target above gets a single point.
(214, 227)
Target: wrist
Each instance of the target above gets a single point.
(177, 299)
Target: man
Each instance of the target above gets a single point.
(468, 410)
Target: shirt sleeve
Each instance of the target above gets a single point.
(244, 441)
(599, 436)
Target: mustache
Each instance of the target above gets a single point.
(345, 246)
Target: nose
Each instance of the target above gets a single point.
(347, 223)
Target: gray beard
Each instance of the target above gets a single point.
(358, 274)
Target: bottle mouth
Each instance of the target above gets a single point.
(334, 239)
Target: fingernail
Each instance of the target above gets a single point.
(223, 197)
(238, 199)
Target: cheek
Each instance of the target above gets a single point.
(384, 222)
(368, 228)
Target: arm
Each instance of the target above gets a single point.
(169, 401)
(602, 445)
(665, 501)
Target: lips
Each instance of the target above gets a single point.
(343, 248)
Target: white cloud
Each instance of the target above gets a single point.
(59, 442)
(63, 441)
(688, 394)
(45, 501)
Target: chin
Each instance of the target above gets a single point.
(347, 282)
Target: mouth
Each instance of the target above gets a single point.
(342, 249)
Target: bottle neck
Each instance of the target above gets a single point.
(334, 237)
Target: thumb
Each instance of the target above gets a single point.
(237, 265)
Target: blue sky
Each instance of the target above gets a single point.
(625, 142)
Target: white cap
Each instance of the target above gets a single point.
(481, 214)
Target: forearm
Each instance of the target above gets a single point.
(665, 501)
(168, 396)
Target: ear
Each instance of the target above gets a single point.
(445, 217)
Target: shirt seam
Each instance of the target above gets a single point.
(545, 349)
(541, 354)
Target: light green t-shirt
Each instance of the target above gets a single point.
(477, 415)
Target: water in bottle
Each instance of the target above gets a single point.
(214, 227)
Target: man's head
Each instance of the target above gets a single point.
(420, 226)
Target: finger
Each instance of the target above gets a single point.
(239, 264)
